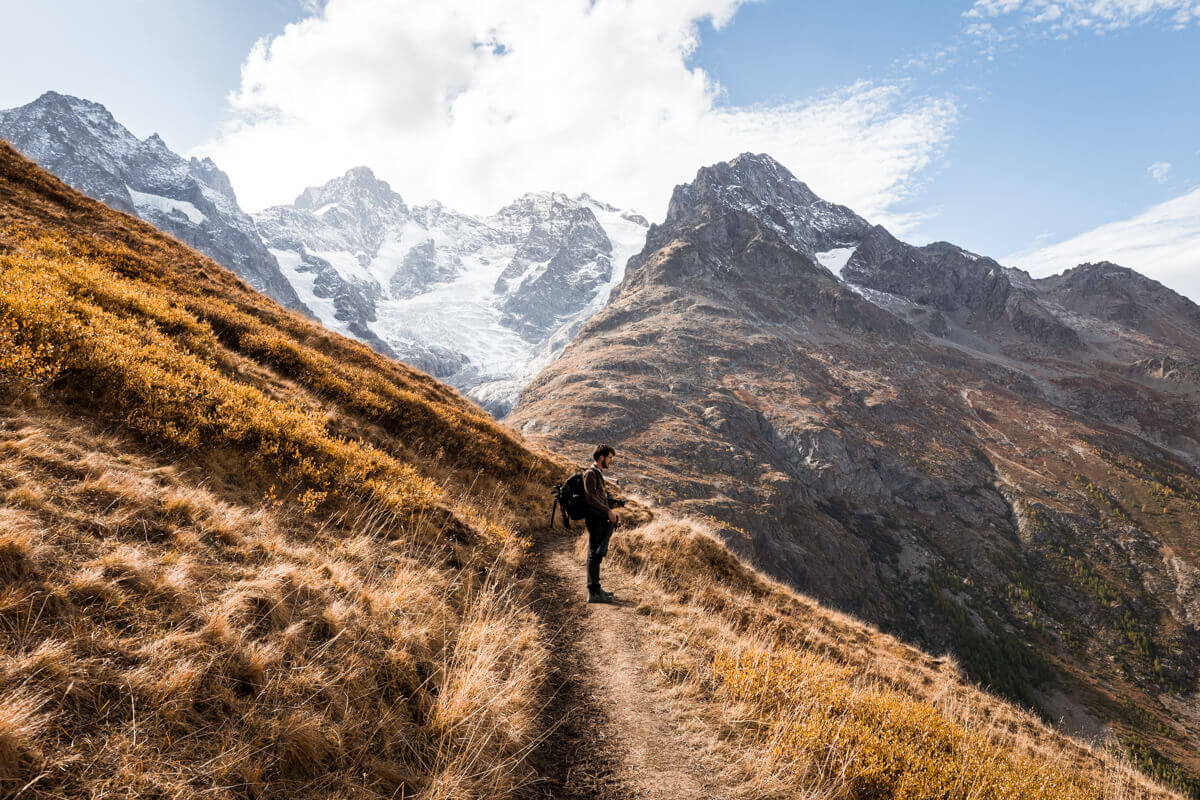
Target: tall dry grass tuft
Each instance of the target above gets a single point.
(486, 715)
(263, 653)
(19, 546)
(21, 725)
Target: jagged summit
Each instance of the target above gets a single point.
(758, 185)
(56, 101)
(475, 300)
(357, 188)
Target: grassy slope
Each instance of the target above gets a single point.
(244, 556)
(240, 553)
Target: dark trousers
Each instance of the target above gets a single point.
(599, 532)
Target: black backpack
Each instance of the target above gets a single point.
(569, 496)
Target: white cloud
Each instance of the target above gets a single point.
(473, 103)
(1162, 242)
(1159, 171)
(1070, 16)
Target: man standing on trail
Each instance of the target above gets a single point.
(600, 520)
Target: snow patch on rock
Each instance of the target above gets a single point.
(834, 260)
(166, 205)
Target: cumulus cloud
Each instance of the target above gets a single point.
(1162, 242)
(1066, 17)
(473, 103)
(1159, 171)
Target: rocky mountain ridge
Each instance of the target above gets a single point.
(991, 464)
(480, 302)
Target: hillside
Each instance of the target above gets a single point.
(244, 557)
(978, 462)
(238, 550)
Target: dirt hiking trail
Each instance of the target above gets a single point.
(616, 734)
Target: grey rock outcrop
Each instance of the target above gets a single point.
(974, 291)
(556, 271)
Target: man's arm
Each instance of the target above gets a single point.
(592, 490)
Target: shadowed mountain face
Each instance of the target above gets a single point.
(989, 464)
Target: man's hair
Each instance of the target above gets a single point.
(602, 451)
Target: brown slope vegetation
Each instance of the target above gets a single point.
(803, 701)
(243, 557)
(240, 555)
(1025, 515)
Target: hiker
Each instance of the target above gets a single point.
(600, 520)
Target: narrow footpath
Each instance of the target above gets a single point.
(615, 734)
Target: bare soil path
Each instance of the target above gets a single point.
(617, 733)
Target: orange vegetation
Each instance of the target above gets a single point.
(826, 706)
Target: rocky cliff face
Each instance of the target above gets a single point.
(998, 466)
(760, 187)
(1131, 302)
(477, 301)
(192, 200)
(959, 291)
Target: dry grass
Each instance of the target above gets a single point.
(245, 652)
(811, 702)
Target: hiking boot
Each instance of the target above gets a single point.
(600, 597)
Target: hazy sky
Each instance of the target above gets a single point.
(1042, 132)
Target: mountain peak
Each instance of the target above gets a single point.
(53, 98)
(94, 116)
(761, 164)
(758, 185)
(362, 174)
(1107, 277)
(358, 187)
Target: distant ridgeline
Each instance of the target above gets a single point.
(477, 301)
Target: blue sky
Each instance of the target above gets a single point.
(1055, 136)
(1007, 139)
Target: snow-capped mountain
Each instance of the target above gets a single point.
(80, 142)
(481, 302)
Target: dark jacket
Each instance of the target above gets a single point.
(593, 490)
